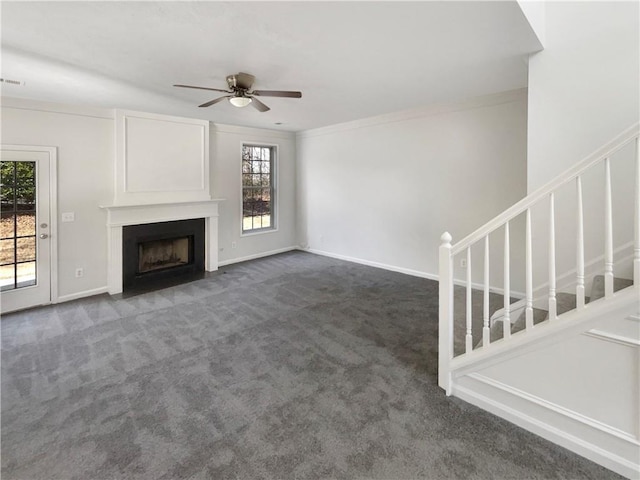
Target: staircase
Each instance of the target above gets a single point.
(564, 360)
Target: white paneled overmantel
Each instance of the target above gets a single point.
(119, 216)
(161, 174)
(160, 159)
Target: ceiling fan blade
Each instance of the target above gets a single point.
(258, 105)
(203, 88)
(219, 99)
(277, 93)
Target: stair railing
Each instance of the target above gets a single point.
(547, 192)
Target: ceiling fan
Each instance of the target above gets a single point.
(241, 94)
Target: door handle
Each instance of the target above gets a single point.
(44, 235)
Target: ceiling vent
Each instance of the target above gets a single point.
(11, 82)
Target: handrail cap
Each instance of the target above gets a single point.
(446, 238)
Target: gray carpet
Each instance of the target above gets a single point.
(291, 367)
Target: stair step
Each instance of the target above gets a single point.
(497, 331)
(597, 288)
(539, 315)
(565, 302)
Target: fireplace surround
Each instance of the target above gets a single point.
(162, 253)
(120, 216)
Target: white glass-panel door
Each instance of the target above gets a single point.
(25, 248)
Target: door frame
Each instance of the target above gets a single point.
(53, 210)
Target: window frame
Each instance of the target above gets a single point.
(274, 190)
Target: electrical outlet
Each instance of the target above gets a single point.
(79, 272)
(234, 244)
(463, 262)
(68, 217)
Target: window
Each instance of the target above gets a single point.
(18, 224)
(258, 188)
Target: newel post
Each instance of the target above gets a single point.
(445, 326)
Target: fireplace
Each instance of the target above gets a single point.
(155, 255)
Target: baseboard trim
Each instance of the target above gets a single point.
(83, 294)
(556, 408)
(256, 255)
(496, 290)
(406, 271)
(567, 281)
(369, 263)
(550, 432)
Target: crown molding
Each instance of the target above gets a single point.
(40, 106)
(422, 112)
(251, 131)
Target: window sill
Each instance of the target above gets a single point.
(251, 233)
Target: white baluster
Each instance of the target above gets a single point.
(445, 337)
(486, 331)
(636, 243)
(553, 311)
(608, 231)
(528, 311)
(469, 336)
(579, 248)
(506, 325)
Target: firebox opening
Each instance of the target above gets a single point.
(159, 254)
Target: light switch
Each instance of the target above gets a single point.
(68, 217)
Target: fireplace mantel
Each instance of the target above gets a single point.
(121, 215)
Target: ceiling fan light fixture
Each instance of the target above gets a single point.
(240, 101)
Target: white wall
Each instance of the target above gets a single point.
(583, 91)
(85, 141)
(226, 144)
(583, 87)
(383, 190)
(534, 11)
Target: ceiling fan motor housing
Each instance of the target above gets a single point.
(240, 81)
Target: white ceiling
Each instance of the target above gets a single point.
(350, 59)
